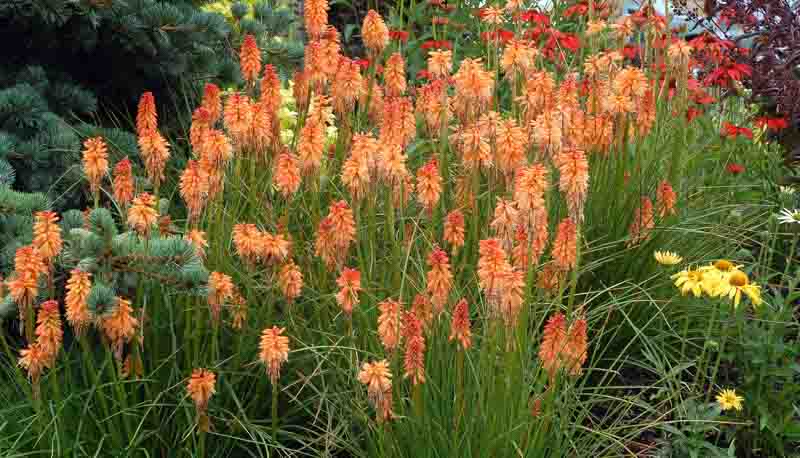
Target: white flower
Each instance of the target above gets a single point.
(788, 190)
(789, 216)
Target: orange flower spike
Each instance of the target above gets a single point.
(47, 235)
(273, 249)
(120, 326)
(414, 358)
(666, 198)
(28, 259)
(573, 181)
(643, 222)
(200, 387)
(506, 218)
(155, 152)
(95, 161)
(347, 87)
(440, 279)
(511, 298)
(23, 288)
(565, 244)
(247, 241)
(271, 89)
(460, 325)
(194, 188)
(238, 117)
(563, 347)
(290, 280)
(530, 186)
(49, 333)
(311, 146)
(78, 287)
(315, 14)
(344, 227)
(429, 185)
(212, 101)
(454, 229)
(378, 378)
(389, 324)
(143, 214)
(220, 289)
(287, 174)
(510, 146)
(394, 75)
(273, 351)
(440, 63)
(146, 116)
(122, 183)
(349, 283)
(250, 59)
(374, 33)
(493, 267)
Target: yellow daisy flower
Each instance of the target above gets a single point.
(727, 400)
(667, 258)
(695, 281)
(737, 283)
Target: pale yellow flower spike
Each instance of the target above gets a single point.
(667, 258)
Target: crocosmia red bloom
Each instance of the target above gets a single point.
(363, 63)
(734, 168)
(424, 74)
(535, 17)
(400, 35)
(630, 51)
(692, 113)
(772, 123)
(437, 44)
(579, 9)
(498, 36)
(731, 131)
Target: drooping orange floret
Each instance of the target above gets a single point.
(120, 326)
(198, 240)
(378, 378)
(212, 102)
(355, 173)
(530, 186)
(642, 223)
(374, 32)
(290, 280)
(347, 86)
(422, 308)
(493, 268)
(473, 143)
(34, 360)
(250, 58)
(220, 289)
(511, 297)
(518, 59)
(563, 347)
(573, 180)
(270, 89)
(201, 386)
(666, 198)
(194, 188)
(23, 287)
(287, 174)
(433, 104)
(630, 82)
(217, 149)
(389, 324)
(440, 279)
(78, 287)
(238, 310)
(341, 216)
(429, 185)
(49, 333)
(414, 358)
(538, 95)
(440, 63)
(504, 223)
(28, 259)
(349, 283)
(146, 116)
(273, 248)
(238, 117)
(47, 235)
(247, 241)
(311, 145)
(565, 244)
(398, 124)
(122, 183)
(315, 13)
(95, 161)
(474, 87)
(155, 152)
(510, 146)
(454, 229)
(143, 214)
(460, 325)
(261, 131)
(394, 75)
(273, 351)
(551, 277)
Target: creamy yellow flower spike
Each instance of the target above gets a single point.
(667, 258)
